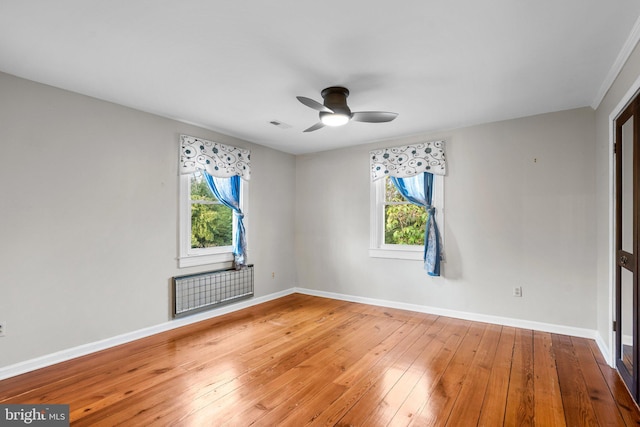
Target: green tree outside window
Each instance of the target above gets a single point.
(211, 221)
(405, 222)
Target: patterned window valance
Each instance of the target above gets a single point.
(219, 160)
(408, 160)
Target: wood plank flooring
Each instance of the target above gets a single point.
(303, 360)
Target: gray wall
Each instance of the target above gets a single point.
(519, 199)
(88, 218)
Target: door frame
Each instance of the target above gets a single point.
(610, 353)
(630, 113)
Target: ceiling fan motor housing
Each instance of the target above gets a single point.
(335, 98)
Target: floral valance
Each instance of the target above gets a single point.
(408, 160)
(219, 160)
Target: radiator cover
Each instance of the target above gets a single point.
(202, 291)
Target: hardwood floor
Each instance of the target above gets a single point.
(303, 360)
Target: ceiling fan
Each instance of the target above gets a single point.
(335, 112)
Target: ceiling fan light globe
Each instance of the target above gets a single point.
(334, 119)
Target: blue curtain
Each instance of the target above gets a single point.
(418, 190)
(227, 190)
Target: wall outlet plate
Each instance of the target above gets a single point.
(517, 291)
(3, 328)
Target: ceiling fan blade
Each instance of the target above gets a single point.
(373, 116)
(317, 126)
(314, 104)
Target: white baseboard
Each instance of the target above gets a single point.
(605, 350)
(505, 321)
(83, 350)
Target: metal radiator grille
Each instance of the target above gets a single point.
(202, 291)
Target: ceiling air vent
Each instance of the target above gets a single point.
(280, 124)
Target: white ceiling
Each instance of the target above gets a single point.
(234, 66)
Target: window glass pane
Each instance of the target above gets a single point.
(200, 189)
(211, 225)
(391, 193)
(211, 221)
(404, 224)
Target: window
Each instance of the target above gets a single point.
(398, 226)
(207, 227)
(213, 202)
(417, 171)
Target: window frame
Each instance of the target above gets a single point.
(377, 247)
(191, 257)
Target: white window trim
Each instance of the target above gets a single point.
(191, 257)
(377, 248)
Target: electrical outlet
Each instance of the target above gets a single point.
(517, 291)
(3, 329)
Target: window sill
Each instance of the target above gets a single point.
(195, 260)
(406, 252)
